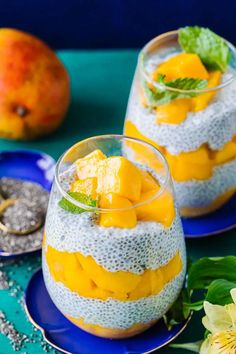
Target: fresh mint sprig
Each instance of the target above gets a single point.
(211, 48)
(80, 197)
(157, 97)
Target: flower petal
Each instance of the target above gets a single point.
(205, 347)
(217, 318)
(220, 343)
(233, 294)
(231, 309)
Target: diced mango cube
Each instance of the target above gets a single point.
(198, 157)
(161, 209)
(120, 281)
(87, 166)
(201, 101)
(119, 175)
(87, 186)
(75, 278)
(227, 153)
(173, 268)
(188, 165)
(174, 112)
(151, 283)
(55, 261)
(126, 218)
(148, 182)
(182, 65)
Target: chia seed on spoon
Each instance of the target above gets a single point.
(29, 209)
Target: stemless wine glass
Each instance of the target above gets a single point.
(195, 134)
(114, 271)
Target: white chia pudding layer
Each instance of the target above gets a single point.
(215, 125)
(149, 245)
(197, 194)
(113, 313)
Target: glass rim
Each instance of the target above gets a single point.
(162, 87)
(86, 207)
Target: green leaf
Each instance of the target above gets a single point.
(211, 48)
(187, 83)
(194, 347)
(178, 312)
(157, 97)
(80, 197)
(192, 306)
(206, 270)
(219, 292)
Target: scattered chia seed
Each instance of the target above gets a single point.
(27, 212)
(16, 338)
(3, 281)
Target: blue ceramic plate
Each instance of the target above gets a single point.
(28, 165)
(67, 338)
(219, 221)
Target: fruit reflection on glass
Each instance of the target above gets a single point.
(183, 102)
(114, 253)
(34, 87)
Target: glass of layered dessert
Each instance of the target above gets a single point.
(183, 101)
(113, 253)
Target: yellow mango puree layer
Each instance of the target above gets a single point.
(84, 276)
(184, 65)
(110, 332)
(196, 164)
(117, 183)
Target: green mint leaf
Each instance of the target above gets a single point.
(187, 84)
(211, 48)
(206, 270)
(157, 97)
(219, 292)
(80, 197)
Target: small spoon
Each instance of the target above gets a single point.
(6, 203)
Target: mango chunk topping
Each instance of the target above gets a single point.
(200, 102)
(182, 65)
(117, 183)
(160, 209)
(87, 166)
(87, 186)
(148, 182)
(119, 175)
(126, 218)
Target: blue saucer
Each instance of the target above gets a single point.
(67, 338)
(217, 222)
(28, 165)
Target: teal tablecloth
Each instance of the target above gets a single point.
(100, 82)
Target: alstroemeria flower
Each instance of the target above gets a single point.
(221, 322)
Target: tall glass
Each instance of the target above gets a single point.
(197, 135)
(114, 281)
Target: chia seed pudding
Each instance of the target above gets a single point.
(110, 281)
(203, 143)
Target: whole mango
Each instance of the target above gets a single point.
(34, 87)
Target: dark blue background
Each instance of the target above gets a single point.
(114, 23)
